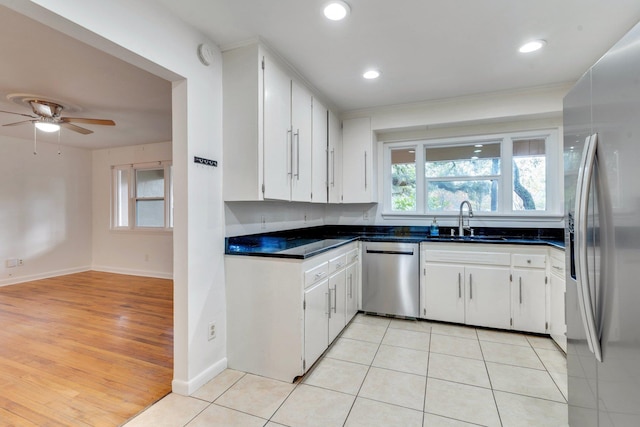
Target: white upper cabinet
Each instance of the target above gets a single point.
(358, 185)
(267, 129)
(301, 140)
(278, 138)
(319, 153)
(334, 170)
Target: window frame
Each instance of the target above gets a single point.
(553, 166)
(132, 197)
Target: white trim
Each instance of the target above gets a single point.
(186, 388)
(47, 275)
(133, 272)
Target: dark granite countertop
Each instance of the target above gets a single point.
(302, 243)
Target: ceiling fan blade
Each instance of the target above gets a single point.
(18, 114)
(19, 123)
(75, 128)
(88, 121)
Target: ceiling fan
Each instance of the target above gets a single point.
(47, 112)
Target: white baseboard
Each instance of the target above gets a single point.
(133, 272)
(187, 388)
(46, 275)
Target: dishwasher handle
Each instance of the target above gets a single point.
(376, 251)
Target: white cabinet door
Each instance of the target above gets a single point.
(277, 132)
(488, 297)
(352, 291)
(529, 300)
(337, 304)
(357, 157)
(316, 327)
(301, 125)
(334, 159)
(444, 292)
(319, 153)
(557, 321)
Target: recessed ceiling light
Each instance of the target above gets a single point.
(336, 10)
(478, 145)
(474, 158)
(532, 46)
(477, 151)
(371, 74)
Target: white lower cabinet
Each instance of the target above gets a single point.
(316, 327)
(444, 295)
(528, 299)
(337, 304)
(352, 290)
(487, 302)
(496, 286)
(282, 314)
(466, 284)
(557, 289)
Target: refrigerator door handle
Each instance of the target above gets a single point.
(585, 300)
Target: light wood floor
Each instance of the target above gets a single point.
(86, 349)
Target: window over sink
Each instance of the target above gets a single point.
(504, 174)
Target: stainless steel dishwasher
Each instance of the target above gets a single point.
(391, 278)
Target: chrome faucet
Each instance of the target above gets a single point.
(461, 226)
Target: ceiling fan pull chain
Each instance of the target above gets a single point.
(59, 152)
(35, 137)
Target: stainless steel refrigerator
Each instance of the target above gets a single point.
(602, 236)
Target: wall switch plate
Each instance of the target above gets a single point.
(11, 262)
(263, 222)
(365, 215)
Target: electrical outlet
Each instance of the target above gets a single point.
(20, 262)
(212, 330)
(305, 217)
(365, 215)
(263, 222)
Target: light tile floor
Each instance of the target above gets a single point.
(391, 372)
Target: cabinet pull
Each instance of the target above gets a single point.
(333, 167)
(335, 298)
(290, 151)
(459, 285)
(329, 303)
(297, 134)
(470, 286)
(365, 170)
(320, 274)
(350, 286)
(520, 284)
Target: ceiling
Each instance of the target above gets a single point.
(426, 50)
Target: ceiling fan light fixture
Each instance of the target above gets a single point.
(47, 127)
(336, 10)
(532, 46)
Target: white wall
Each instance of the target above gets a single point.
(141, 253)
(247, 217)
(45, 210)
(148, 36)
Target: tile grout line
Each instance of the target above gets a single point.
(495, 402)
(365, 375)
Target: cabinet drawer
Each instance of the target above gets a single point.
(557, 266)
(337, 263)
(315, 274)
(352, 256)
(528, 260)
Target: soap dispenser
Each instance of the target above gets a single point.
(435, 229)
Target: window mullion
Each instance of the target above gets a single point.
(421, 205)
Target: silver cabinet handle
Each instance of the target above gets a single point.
(470, 286)
(297, 134)
(520, 283)
(365, 170)
(329, 303)
(585, 174)
(335, 298)
(351, 286)
(320, 274)
(557, 268)
(290, 151)
(333, 167)
(459, 285)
